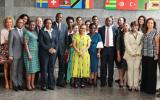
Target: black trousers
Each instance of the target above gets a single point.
(149, 75)
(61, 62)
(47, 71)
(107, 64)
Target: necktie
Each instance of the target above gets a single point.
(58, 26)
(107, 37)
(21, 33)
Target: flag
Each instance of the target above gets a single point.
(127, 4)
(110, 4)
(42, 3)
(65, 3)
(53, 3)
(142, 4)
(87, 4)
(153, 5)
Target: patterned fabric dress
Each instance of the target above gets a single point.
(4, 46)
(81, 64)
(33, 65)
(71, 51)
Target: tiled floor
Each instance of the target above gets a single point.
(68, 93)
(89, 93)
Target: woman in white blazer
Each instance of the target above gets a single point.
(133, 47)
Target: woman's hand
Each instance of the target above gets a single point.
(98, 55)
(29, 57)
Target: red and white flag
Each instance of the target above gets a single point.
(127, 4)
(53, 3)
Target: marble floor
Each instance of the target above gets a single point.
(68, 93)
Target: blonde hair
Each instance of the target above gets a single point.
(8, 18)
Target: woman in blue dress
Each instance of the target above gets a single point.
(94, 50)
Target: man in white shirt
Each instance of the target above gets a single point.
(16, 54)
(108, 34)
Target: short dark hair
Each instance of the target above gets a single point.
(18, 20)
(87, 21)
(78, 18)
(94, 17)
(32, 21)
(134, 23)
(124, 19)
(58, 14)
(45, 20)
(69, 18)
(92, 25)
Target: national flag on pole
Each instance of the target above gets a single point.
(87, 4)
(65, 3)
(42, 3)
(153, 5)
(110, 4)
(53, 3)
(127, 4)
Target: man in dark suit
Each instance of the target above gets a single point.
(47, 50)
(62, 36)
(16, 54)
(108, 34)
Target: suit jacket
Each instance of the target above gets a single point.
(15, 44)
(102, 31)
(38, 30)
(45, 42)
(132, 46)
(62, 36)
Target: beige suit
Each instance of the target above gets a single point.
(133, 47)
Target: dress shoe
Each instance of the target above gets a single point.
(20, 88)
(82, 85)
(129, 89)
(51, 88)
(158, 95)
(44, 88)
(15, 88)
(61, 84)
(117, 81)
(110, 84)
(76, 86)
(103, 85)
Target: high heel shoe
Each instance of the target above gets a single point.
(129, 89)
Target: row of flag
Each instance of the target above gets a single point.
(109, 4)
(81, 4)
(132, 4)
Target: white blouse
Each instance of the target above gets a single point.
(4, 36)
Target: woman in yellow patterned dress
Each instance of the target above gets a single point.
(81, 58)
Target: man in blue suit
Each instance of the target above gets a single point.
(108, 35)
(62, 35)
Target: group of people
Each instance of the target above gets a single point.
(29, 51)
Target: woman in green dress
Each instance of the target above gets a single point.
(71, 51)
(31, 60)
(81, 58)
